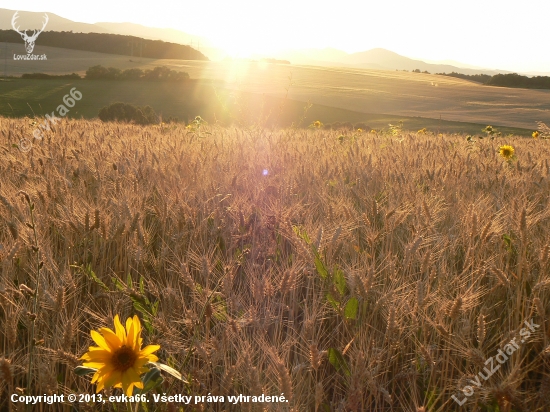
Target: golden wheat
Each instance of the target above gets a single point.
(371, 273)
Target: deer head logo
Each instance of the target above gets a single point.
(29, 40)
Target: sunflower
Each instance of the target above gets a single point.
(536, 135)
(506, 151)
(119, 359)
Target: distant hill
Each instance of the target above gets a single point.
(169, 35)
(111, 44)
(377, 59)
(33, 20)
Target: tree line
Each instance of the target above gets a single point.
(110, 44)
(505, 80)
(159, 73)
(479, 78)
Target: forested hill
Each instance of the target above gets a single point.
(506, 80)
(111, 44)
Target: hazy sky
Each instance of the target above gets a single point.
(509, 35)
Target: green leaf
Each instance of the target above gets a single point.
(83, 371)
(155, 308)
(333, 301)
(338, 361)
(141, 286)
(151, 380)
(169, 370)
(221, 244)
(129, 281)
(91, 274)
(431, 398)
(118, 284)
(153, 374)
(220, 310)
(321, 269)
(301, 234)
(340, 281)
(351, 308)
(148, 324)
(140, 307)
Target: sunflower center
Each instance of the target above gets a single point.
(124, 358)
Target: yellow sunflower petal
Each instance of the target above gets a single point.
(129, 322)
(137, 324)
(132, 340)
(137, 333)
(96, 356)
(149, 349)
(129, 378)
(152, 358)
(95, 365)
(129, 390)
(111, 338)
(120, 332)
(94, 348)
(100, 340)
(135, 376)
(113, 378)
(106, 369)
(140, 362)
(85, 357)
(99, 387)
(96, 376)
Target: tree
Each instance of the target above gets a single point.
(131, 74)
(124, 112)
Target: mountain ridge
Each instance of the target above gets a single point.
(378, 59)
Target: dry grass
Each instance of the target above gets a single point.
(443, 245)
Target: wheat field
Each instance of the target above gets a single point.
(369, 272)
